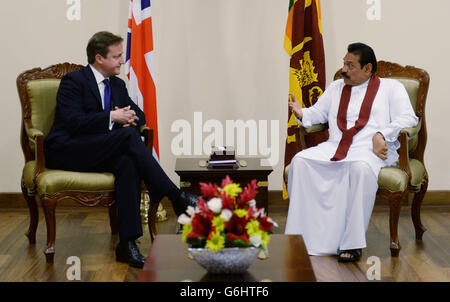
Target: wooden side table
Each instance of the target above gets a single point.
(192, 171)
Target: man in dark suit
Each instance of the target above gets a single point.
(96, 129)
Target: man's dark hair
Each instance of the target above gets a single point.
(366, 54)
(100, 43)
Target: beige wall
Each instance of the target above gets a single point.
(226, 60)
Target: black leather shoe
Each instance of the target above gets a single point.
(128, 252)
(183, 201)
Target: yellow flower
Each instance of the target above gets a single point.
(232, 189)
(265, 238)
(253, 227)
(187, 228)
(218, 222)
(241, 213)
(216, 242)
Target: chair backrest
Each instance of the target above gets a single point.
(37, 90)
(416, 82)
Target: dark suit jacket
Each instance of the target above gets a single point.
(79, 108)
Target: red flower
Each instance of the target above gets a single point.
(241, 204)
(226, 181)
(236, 225)
(248, 193)
(265, 224)
(232, 237)
(192, 235)
(209, 190)
(253, 212)
(227, 201)
(203, 206)
(211, 232)
(201, 226)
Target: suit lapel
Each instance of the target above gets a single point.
(92, 83)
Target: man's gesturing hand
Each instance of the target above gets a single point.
(380, 147)
(294, 106)
(124, 116)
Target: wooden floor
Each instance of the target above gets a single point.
(84, 232)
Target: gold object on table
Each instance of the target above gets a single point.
(262, 183)
(202, 163)
(161, 214)
(185, 184)
(263, 254)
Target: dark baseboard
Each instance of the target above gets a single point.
(432, 198)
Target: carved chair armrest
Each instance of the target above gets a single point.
(147, 133)
(407, 134)
(403, 160)
(303, 132)
(315, 128)
(33, 133)
(36, 136)
(39, 156)
(413, 131)
(143, 128)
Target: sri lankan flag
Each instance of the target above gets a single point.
(303, 42)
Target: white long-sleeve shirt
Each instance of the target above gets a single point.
(391, 111)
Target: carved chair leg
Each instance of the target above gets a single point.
(34, 215)
(152, 219)
(395, 204)
(49, 206)
(415, 209)
(112, 209)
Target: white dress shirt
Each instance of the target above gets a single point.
(101, 88)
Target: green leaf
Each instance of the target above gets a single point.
(237, 243)
(196, 242)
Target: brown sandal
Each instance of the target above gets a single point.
(355, 255)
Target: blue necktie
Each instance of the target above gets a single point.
(107, 95)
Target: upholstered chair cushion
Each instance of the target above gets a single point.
(42, 95)
(392, 179)
(54, 181)
(28, 172)
(417, 172)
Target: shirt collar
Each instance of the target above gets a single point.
(98, 76)
(363, 84)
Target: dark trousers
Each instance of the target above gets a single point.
(123, 153)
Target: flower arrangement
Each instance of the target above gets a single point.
(227, 218)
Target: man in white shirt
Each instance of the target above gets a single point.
(332, 186)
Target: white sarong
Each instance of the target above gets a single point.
(330, 206)
(330, 203)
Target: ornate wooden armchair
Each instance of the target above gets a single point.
(410, 175)
(37, 90)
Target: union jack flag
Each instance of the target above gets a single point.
(140, 64)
